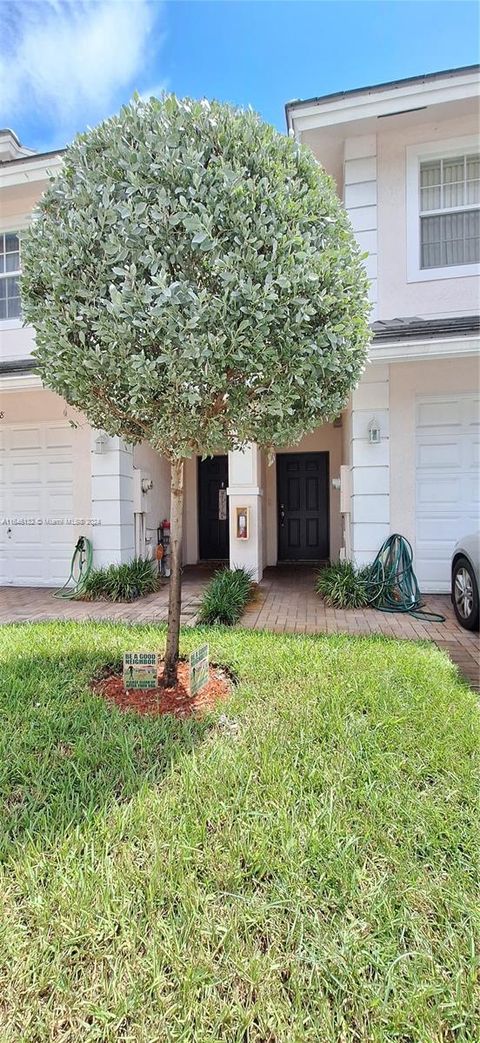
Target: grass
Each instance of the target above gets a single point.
(308, 877)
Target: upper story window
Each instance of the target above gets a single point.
(10, 307)
(450, 211)
(443, 209)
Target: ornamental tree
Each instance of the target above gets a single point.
(194, 282)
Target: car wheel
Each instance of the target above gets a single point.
(465, 594)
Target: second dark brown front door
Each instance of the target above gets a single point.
(303, 507)
(213, 508)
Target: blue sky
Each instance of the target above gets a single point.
(66, 65)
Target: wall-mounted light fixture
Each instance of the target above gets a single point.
(374, 434)
(101, 442)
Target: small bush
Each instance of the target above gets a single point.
(126, 582)
(344, 586)
(225, 597)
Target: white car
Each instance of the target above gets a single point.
(465, 581)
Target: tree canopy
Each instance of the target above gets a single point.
(194, 281)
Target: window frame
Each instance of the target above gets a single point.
(11, 321)
(417, 154)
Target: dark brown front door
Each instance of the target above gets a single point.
(303, 508)
(213, 508)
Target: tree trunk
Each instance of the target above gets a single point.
(175, 593)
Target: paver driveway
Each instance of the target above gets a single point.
(286, 602)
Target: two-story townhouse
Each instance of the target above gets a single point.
(403, 456)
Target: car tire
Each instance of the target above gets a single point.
(465, 594)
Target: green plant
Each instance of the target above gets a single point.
(344, 586)
(133, 579)
(225, 597)
(194, 282)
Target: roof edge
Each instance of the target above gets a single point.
(402, 329)
(375, 88)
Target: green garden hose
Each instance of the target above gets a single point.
(395, 583)
(80, 568)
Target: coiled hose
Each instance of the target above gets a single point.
(395, 583)
(80, 568)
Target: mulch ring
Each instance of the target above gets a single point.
(161, 700)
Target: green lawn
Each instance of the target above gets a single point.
(307, 877)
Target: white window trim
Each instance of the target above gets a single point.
(6, 229)
(417, 154)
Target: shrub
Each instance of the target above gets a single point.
(126, 582)
(225, 597)
(344, 586)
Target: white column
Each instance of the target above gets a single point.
(360, 197)
(112, 501)
(370, 470)
(244, 490)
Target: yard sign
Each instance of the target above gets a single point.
(198, 669)
(140, 670)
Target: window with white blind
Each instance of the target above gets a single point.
(10, 307)
(450, 211)
(443, 209)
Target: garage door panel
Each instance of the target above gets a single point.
(439, 412)
(58, 437)
(25, 438)
(433, 575)
(28, 472)
(438, 453)
(444, 491)
(432, 528)
(26, 504)
(27, 537)
(58, 470)
(29, 570)
(447, 483)
(59, 505)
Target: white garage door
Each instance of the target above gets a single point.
(447, 483)
(36, 501)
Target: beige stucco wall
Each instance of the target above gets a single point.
(407, 381)
(17, 201)
(38, 406)
(325, 439)
(396, 296)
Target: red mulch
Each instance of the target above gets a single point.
(176, 701)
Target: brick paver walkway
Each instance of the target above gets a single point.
(286, 602)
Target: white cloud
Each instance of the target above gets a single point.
(155, 91)
(71, 62)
